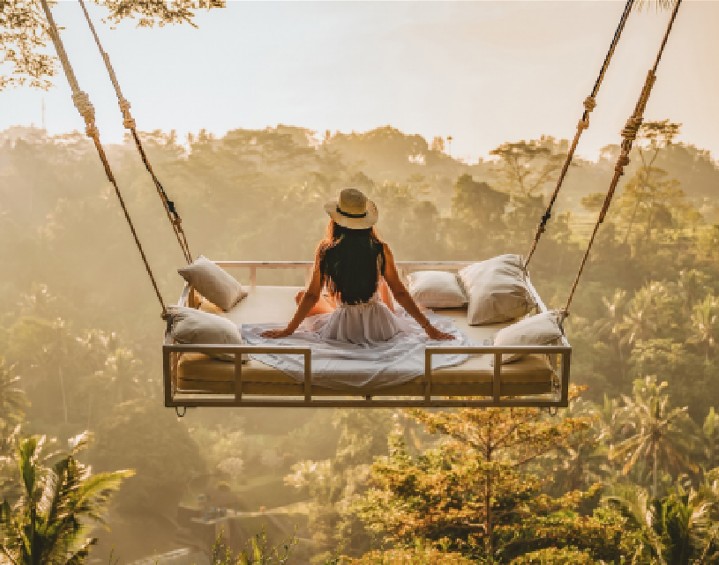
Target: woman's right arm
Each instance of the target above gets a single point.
(310, 298)
(404, 298)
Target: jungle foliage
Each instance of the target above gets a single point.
(628, 472)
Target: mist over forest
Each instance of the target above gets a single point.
(628, 473)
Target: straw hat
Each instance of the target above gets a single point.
(352, 210)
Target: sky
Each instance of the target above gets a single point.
(481, 72)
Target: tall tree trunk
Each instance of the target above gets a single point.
(62, 392)
(654, 471)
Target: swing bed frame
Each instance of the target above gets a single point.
(484, 392)
(499, 391)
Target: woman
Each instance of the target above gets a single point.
(355, 268)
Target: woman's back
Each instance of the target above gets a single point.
(351, 263)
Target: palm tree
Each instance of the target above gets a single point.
(611, 326)
(705, 324)
(12, 397)
(634, 504)
(655, 432)
(681, 528)
(707, 534)
(640, 318)
(710, 440)
(47, 525)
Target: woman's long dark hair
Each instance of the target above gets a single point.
(351, 262)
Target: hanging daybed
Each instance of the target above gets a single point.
(193, 376)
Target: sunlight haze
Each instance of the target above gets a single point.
(482, 72)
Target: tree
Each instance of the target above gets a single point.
(679, 528)
(472, 491)
(158, 447)
(648, 196)
(477, 217)
(12, 398)
(258, 551)
(610, 327)
(705, 325)
(527, 166)
(653, 432)
(334, 484)
(49, 523)
(710, 440)
(23, 33)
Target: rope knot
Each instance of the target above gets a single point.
(83, 105)
(87, 111)
(127, 120)
(590, 103)
(622, 162)
(583, 124)
(631, 128)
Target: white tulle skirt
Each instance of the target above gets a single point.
(369, 323)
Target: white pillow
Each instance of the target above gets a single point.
(540, 329)
(213, 282)
(436, 289)
(188, 325)
(497, 290)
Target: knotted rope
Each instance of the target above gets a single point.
(590, 102)
(129, 123)
(629, 134)
(87, 111)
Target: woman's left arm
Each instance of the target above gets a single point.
(310, 298)
(402, 295)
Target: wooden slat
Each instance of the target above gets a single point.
(167, 374)
(363, 402)
(238, 377)
(176, 399)
(427, 375)
(308, 375)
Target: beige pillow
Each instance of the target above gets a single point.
(540, 329)
(213, 282)
(497, 290)
(188, 325)
(436, 289)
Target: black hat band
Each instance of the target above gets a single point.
(348, 215)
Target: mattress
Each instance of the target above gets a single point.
(198, 373)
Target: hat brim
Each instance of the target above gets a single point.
(363, 223)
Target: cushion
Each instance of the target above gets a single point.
(188, 325)
(497, 290)
(540, 329)
(213, 282)
(436, 289)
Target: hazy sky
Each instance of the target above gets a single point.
(482, 72)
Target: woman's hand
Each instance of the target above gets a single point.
(435, 333)
(276, 334)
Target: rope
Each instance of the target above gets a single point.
(590, 102)
(629, 134)
(129, 123)
(84, 106)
